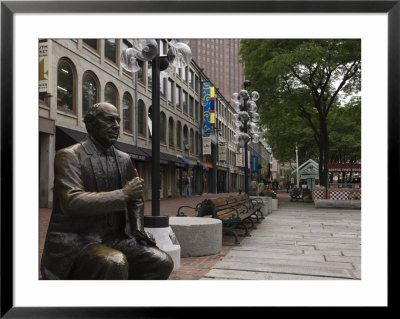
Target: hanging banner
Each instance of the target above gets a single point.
(222, 152)
(206, 145)
(44, 63)
(208, 106)
(254, 164)
(212, 105)
(239, 159)
(266, 168)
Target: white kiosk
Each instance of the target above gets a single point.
(308, 171)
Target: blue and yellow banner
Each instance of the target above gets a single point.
(254, 164)
(208, 98)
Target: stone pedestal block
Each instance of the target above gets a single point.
(274, 204)
(166, 241)
(197, 236)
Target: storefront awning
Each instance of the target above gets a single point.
(66, 137)
(209, 165)
(173, 160)
(185, 160)
(202, 165)
(148, 152)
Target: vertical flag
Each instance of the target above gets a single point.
(212, 105)
(206, 103)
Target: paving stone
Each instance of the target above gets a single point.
(356, 252)
(222, 274)
(352, 259)
(286, 269)
(284, 261)
(274, 255)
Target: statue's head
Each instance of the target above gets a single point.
(102, 123)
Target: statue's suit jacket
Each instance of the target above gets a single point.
(82, 206)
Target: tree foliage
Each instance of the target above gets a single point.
(303, 85)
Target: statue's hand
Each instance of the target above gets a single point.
(134, 189)
(145, 237)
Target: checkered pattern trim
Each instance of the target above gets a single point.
(319, 194)
(339, 195)
(355, 195)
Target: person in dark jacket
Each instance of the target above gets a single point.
(96, 228)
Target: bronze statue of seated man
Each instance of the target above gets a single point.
(96, 227)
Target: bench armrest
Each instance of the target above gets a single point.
(228, 206)
(258, 200)
(241, 204)
(181, 213)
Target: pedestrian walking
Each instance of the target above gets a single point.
(186, 184)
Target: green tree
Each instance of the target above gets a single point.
(300, 83)
(344, 128)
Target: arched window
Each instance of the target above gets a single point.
(141, 118)
(65, 86)
(163, 128)
(171, 131)
(90, 92)
(179, 135)
(191, 141)
(185, 138)
(127, 112)
(111, 94)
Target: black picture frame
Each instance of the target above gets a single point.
(9, 8)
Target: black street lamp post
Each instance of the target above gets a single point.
(155, 148)
(178, 56)
(246, 119)
(246, 158)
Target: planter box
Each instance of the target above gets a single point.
(274, 204)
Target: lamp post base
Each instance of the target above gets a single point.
(165, 238)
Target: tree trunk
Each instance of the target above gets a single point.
(324, 152)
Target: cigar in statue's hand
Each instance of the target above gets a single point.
(137, 175)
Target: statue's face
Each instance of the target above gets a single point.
(106, 126)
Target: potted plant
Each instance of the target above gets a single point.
(269, 192)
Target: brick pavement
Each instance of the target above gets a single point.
(192, 268)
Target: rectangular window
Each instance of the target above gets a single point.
(125, 45)
(162, 86)
(110, 50)
(191, 83)
(191, 100)
(197, 84)
(178, 97)
(149, 74)
(140, 75)
(184, 75)
(170, 91)
(196, 110)
(184, 102)
(92, 43)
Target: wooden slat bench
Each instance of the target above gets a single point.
(295, 194)
(233, 211)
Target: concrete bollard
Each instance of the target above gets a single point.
(197, 236)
